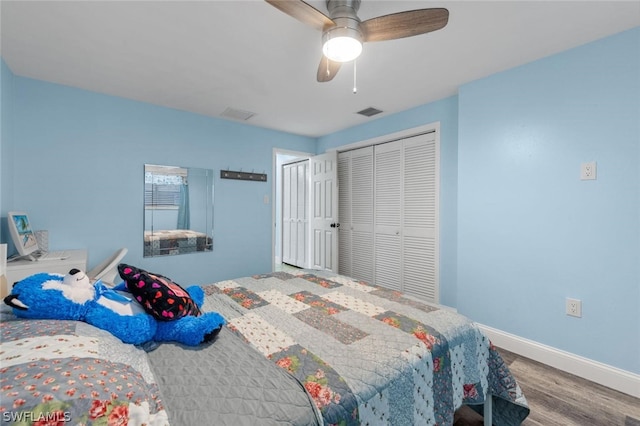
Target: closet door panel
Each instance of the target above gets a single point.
(344, 214)
(419, 217)
(388, 267)
(362, 189)
(419, 271)
(388, 215)
(302, 222)
(419, 268)
(287, 221)
(388, 186)
(362, 255)
(362, 239)
(355, 174)
(294, 214)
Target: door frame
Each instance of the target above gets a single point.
(276, 192)
(402, 134)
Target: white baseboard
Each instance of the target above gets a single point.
(606, 375)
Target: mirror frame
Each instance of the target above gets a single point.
(178, 210)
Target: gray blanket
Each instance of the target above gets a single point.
(228, 383)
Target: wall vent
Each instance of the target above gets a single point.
(368, 112)
(237, 114)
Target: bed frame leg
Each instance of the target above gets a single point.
(488, 411)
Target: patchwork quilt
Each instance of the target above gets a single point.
(365, 354)
(176, 241)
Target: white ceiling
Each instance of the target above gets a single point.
(207, 56)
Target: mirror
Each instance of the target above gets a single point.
(178, 210)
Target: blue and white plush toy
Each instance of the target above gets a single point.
(74, 297)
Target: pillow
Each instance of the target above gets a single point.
(160, 297)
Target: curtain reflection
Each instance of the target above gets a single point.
(184, 221)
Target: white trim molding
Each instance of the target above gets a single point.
(606, 375)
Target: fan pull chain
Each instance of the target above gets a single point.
(355, 88)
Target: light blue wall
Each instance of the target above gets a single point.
(530, 232)
(78, 172)
(6, 168)
(519, 230)
(445, 112)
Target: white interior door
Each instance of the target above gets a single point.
(288, 219)
(302, 220)
(324, 211)
(294, 213)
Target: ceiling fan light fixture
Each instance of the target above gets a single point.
(342, 44)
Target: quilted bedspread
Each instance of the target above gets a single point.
(228, 384)
(368, 355)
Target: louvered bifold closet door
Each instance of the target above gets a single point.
(388, 214)
(344, 213)
(355, 171)
(419, 254)
(362, 213)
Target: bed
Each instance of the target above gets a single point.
(175, 241)
(300, 349)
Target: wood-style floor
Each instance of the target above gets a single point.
(557, 398)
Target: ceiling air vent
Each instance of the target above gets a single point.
(236, 114)
(368, 112)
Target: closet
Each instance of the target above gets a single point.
(388, 214)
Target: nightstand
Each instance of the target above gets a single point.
(19, 269)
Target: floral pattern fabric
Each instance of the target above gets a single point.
(365, 354)
(51, 374)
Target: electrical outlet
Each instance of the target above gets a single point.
(588, 171)
(574, 307)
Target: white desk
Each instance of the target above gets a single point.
(19, 269)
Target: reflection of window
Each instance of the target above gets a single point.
(162, 190)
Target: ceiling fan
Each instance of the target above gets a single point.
(343, 33)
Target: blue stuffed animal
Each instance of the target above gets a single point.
(75, 297)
